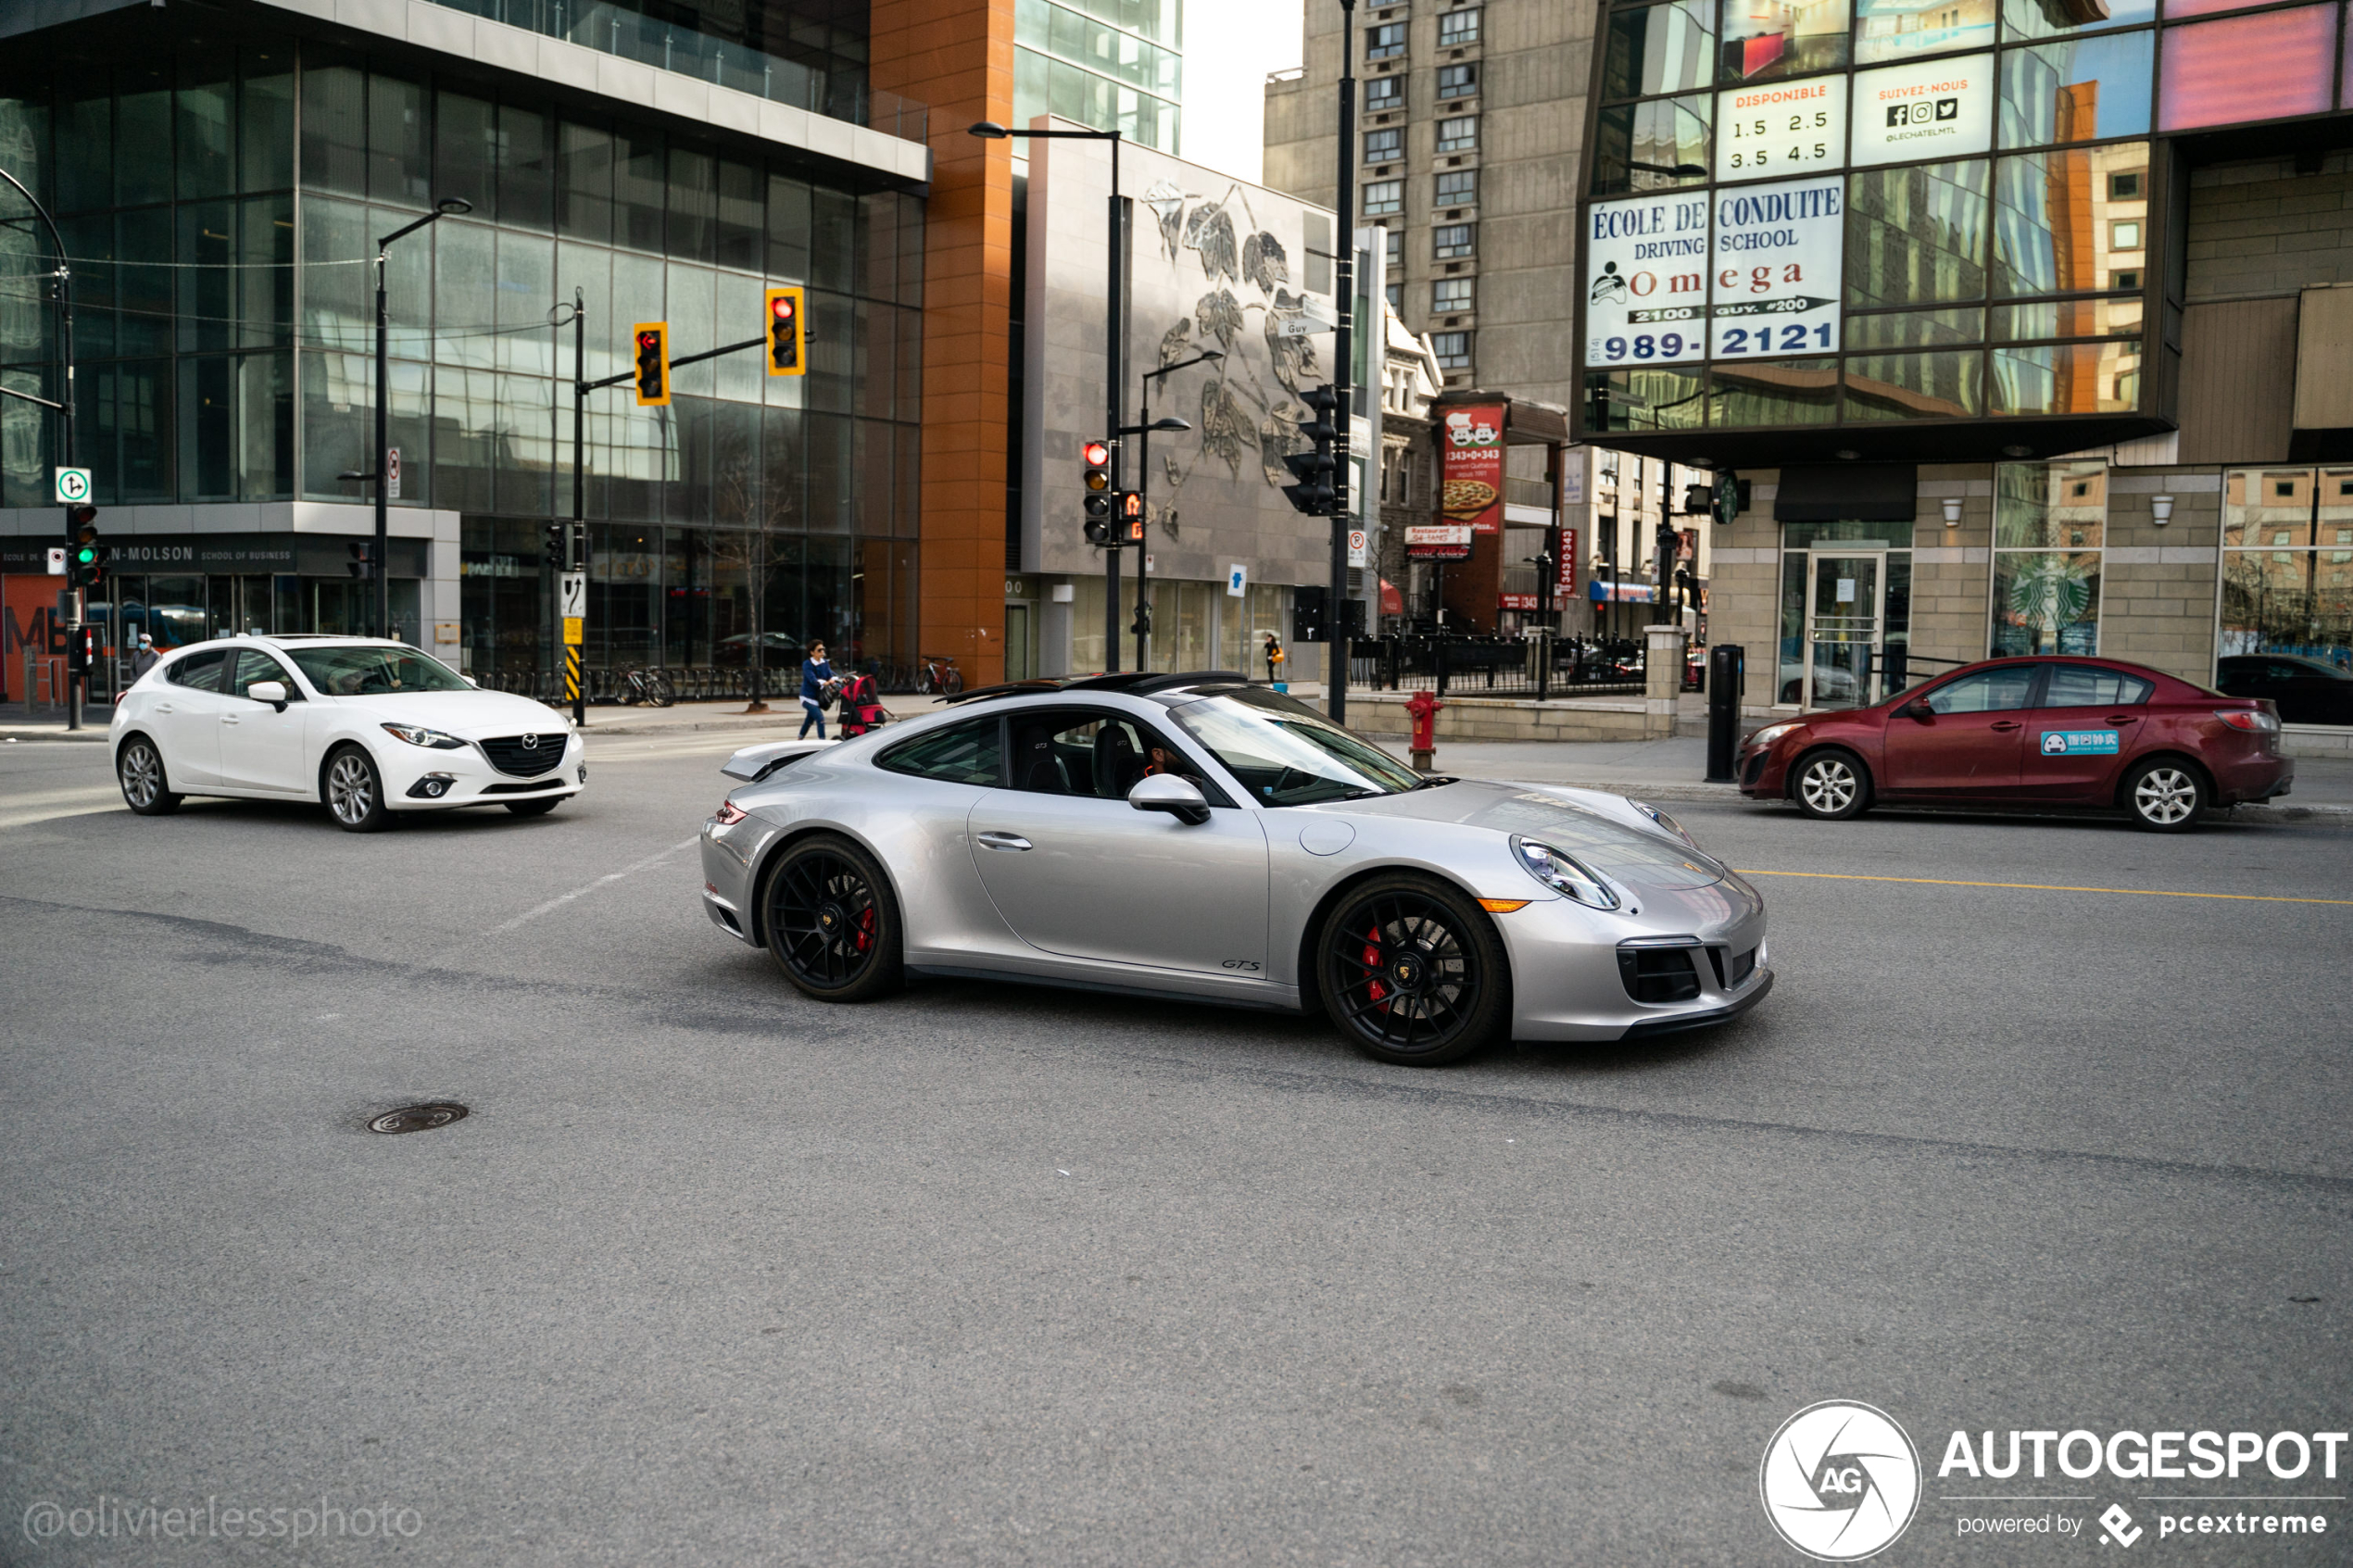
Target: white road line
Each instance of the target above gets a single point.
(561, 899)
(40, 806)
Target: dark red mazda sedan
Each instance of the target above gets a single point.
(2049, 731)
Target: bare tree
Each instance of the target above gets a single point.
(738, 491)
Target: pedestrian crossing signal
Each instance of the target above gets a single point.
(653, 364)
(788, 333)
(1131, 516)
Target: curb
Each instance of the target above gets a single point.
(742, 721)
(79, 736)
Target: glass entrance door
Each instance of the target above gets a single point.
(1846, 617)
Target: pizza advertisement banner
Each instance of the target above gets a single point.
(1471, 467)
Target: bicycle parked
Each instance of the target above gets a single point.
(939, 677)
(653, 687)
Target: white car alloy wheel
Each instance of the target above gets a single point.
(141, 773)
(2165, 797)
(353, 793)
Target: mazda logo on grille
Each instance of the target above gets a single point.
(531, 742)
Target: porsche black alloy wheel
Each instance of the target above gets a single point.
(1412, 972)
(832, 923)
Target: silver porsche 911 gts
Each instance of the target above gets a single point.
(1205, 837)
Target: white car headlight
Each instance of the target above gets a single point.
(1769, 735)
(1663, 820)
(417, 735)
(1562, 874)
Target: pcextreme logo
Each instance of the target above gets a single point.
(1839, 1481)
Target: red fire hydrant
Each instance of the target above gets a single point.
(1423, 709)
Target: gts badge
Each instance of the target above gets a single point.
(1243, 965)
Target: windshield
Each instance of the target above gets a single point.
(372, 672)
(1286, 754)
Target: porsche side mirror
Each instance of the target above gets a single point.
(271, 691)
(1181, 799)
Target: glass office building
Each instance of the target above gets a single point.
(221, 188)
(2016, 314)
(1117, 65)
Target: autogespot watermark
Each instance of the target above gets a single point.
(1842, 1481)
(127, 1520)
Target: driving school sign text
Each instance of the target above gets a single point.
(1646, 264)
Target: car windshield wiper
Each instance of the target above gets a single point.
(1432, 780)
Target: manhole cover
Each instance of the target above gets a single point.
(419, 1117)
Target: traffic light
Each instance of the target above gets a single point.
(788, 333)
(1698, 499)
(576, 552)
(552, 540)
(1131, 517)
(1095, 455)
(1313, 494)
(653, 364)
(363, 560)
(1731, 499)
(86, 558)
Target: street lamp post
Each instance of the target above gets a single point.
(64, 406)
(1144, 486)
(1345, 372)
(1114, 357)
(448, 207)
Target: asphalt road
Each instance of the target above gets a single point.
(994, 1276)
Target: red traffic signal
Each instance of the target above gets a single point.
(1097, 455)
(788, 333)
(653, 364)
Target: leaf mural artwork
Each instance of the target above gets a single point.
(1211, 233)
(1293, 358)
(1220, 316)
(1228, 432)
(1167, 198)
(1264, 263)
(1176, 342)
(2049, 592)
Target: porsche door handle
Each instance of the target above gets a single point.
(228, 717)
(1003, 841)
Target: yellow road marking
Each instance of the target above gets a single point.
(2051, 888)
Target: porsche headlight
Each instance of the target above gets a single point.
(1563, 875)
(1769, 733)
(1663, 820)
(417, 735)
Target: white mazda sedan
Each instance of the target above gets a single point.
(371, 727)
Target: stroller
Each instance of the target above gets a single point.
(861, 708)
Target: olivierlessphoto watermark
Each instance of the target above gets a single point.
(130, 1520)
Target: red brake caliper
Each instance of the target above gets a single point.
(865, 938)
(1372, 961)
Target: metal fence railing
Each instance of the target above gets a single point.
(692, 683)
(1538, 666)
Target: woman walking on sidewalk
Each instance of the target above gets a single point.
(815, 671)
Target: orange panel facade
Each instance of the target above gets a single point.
(958, 59)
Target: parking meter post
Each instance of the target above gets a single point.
(1725, 669)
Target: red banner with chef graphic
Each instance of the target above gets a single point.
(1470, 474)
